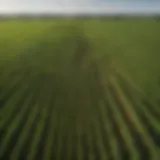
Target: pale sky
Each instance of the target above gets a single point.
(82, 6)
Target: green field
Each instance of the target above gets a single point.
(80, 89)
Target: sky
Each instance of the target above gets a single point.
(80, 6)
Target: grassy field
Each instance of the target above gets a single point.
(79, 89)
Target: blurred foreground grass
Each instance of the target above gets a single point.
(83, 90)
